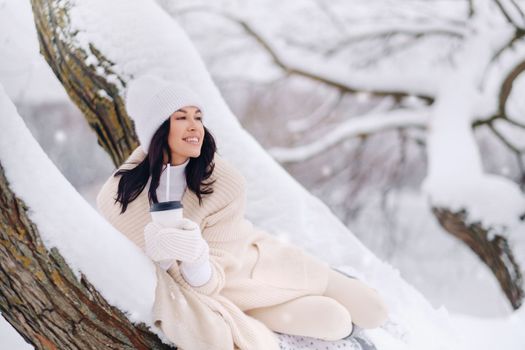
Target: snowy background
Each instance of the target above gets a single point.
(373, 184)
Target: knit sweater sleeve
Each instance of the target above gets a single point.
(223, 225)
(214, 284)
(220, 229)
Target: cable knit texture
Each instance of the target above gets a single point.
(172, 184)
(163, 243)
(250, 268)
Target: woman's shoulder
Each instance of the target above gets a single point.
(227, 177)
(136, 157)
(225, 170)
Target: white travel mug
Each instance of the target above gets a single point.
(166, 213)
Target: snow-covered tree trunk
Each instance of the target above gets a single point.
(456, 167)
(98, 98)
(42, 298)
(493, 250)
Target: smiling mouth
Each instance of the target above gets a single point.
(192, 140)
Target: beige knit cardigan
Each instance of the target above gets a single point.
(251, 268)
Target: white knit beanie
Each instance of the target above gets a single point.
(150, 100)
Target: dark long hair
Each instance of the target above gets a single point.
(133, 181)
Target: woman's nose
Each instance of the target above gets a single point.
(193, 123)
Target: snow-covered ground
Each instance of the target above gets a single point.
(425, 261)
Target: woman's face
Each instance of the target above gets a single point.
(186, 134)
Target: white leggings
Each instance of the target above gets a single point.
(328, 316)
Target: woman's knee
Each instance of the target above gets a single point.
(312, 316)
(364, 303)
(335, 322)
(378, 311)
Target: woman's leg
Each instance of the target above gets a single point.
(362, 302)
(311, 316)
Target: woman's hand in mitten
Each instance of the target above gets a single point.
(182, 242)
(198, 272)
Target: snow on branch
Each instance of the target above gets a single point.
(89, 244)
(316, 69)
(456, 178)
(305, 122)
(355, 126)
(512, 12)
(377, 31)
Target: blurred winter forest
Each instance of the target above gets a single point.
(343, 94)
(377, 107)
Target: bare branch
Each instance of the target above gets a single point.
(389, 50)
(515, 123)
(506, 86)
(519, 153)
(334, 19)
(504, 140)
(470, 8)
(504, 48)
(507, 14)
(389, 31)
(518, 9)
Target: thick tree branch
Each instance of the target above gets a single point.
(506, 86)
(39, 295)
(492, 248)
(42, 298)
(519, 34)
(98, 99)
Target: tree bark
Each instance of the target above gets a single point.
(492, 249)
(98, 99)
(42, 298)
(39, 294)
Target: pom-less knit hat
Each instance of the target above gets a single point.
(150, 100)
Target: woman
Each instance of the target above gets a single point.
(214, 251)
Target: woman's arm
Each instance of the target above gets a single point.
(182, 242)
(223, 227)
(220, 229)
(217, 278)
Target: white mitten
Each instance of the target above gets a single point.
(181, 242)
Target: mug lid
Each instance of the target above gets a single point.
(161, 206)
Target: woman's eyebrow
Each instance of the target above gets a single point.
(186, 111)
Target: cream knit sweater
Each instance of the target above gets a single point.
(251, 269)
(172, 184)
